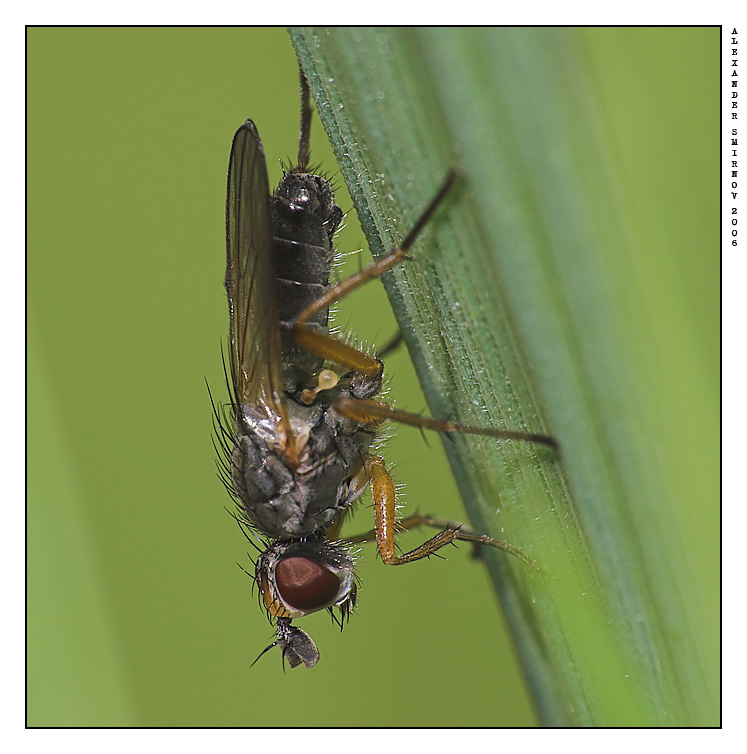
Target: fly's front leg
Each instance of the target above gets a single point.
(386, 526)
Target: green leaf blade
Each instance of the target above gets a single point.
(516, 311)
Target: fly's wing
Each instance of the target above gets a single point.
(256, 365)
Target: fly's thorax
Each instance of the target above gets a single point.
(302, 499)
(301, 577)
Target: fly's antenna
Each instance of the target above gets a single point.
(264, 651)
(305, 131)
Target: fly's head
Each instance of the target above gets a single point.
(300, 577)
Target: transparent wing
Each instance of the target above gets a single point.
(256, 366)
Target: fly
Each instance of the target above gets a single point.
(298, 433)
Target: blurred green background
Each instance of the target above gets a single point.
(137, 612)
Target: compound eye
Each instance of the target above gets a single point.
(305, 584)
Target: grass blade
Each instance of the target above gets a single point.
(522, 310)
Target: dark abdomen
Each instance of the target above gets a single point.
(304, 219)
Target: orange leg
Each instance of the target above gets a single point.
(386, 526)
(333, 349)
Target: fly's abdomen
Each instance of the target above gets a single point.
(304, 219)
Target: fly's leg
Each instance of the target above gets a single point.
(370, 368)
(409, 523)
(415, 521)
(330, 347)
(386, 525)
(305, 129)
(370, 412)
(391, 346)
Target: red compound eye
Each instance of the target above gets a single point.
(305, 584)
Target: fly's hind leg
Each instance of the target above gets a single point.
(386, 526)
(335, 350)
(367, 411)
